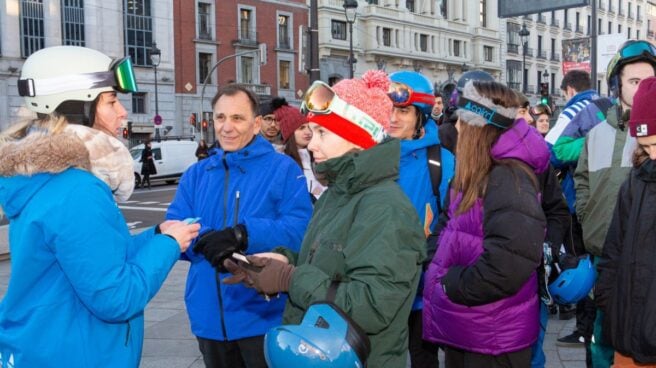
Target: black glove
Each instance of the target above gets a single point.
(216, 245)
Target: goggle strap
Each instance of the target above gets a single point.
(68, 83)
(489, 114)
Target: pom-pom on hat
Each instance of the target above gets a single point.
(368, 94)
(289, 117)
(643, 116)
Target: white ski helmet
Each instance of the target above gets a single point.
(58, 74)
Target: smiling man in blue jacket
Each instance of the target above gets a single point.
(250, 199)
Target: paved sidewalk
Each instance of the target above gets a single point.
(169, 342)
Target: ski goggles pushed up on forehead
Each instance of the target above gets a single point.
(402, 95)
(120, 77)
(633, 50)
(322, 106)
(540, 109)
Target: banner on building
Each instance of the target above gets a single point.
(513, 8)
(607, 46)
(576, 54)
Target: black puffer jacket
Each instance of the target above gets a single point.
(626, 286)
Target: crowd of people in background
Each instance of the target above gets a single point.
(373, 225)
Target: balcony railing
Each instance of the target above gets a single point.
(542, 54)
(568, 26)
(555, 56)
(639, 18)
(630, 16)
(513, 48)
(555, 22)
(542, 19)
(579, 29)
(611, 9)
(259, 89)
(650, 34)
(621, 12)
(602, 5)
(529, 51)
(514, 85)
(528, 17)
(247, 36)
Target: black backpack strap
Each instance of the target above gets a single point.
(434, 156)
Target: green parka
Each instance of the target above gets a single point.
(364, 232)
(604, 164)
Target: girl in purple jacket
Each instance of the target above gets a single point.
(480, 296)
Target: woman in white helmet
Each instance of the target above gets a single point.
(79, 281)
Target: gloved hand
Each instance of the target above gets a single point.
(238, 273)
(271, 276)
(216, 245)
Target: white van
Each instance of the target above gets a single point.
(172, 158)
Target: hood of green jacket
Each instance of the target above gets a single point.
(358, 170)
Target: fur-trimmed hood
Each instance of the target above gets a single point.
(43, 153)
(26, 164)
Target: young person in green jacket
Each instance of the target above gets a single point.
(364, 238)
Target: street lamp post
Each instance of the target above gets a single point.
(155, 58)
(545, 77)
(523, 34)
(350, 11)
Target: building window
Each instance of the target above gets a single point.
(619, 28)
(283, 32)
(444, 9)
(410, 4)
(456, 48)
(514, 74)
(246, 26)
(628, 32)
(204, 21)
(566, 24)
(246, 72)
(284, 74)
(488, 53)
(372, 2)
(610, 27)
(338, 29)
(138, 103)
(423, 42)
(387, 37)
(513, 37)
(73, 22)
(138, 31)
(204, 65)
(483, 12)
(31, 23)
(637, 34)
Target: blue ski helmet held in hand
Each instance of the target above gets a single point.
(573, 284)
(418, 84)
(326, 337)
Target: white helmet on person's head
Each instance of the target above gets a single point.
(59, 74)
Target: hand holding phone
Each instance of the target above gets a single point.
(191, 220)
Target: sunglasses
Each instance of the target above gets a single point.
(120, 76)
(321, 104)
(402, 95)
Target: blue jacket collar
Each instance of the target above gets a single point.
(590, 94)
(430, 138)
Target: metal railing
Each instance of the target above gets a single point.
(514, 85)
(555, 22)
(555, 56)
(542, 19)
(542, 54)
(513, 48)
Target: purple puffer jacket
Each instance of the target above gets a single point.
(498, 326)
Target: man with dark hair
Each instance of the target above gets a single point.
(249, 200)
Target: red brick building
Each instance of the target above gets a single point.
(207, 32)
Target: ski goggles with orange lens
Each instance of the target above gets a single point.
(402, 95)
(321, 104)
(120, 77)
(540, 109)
